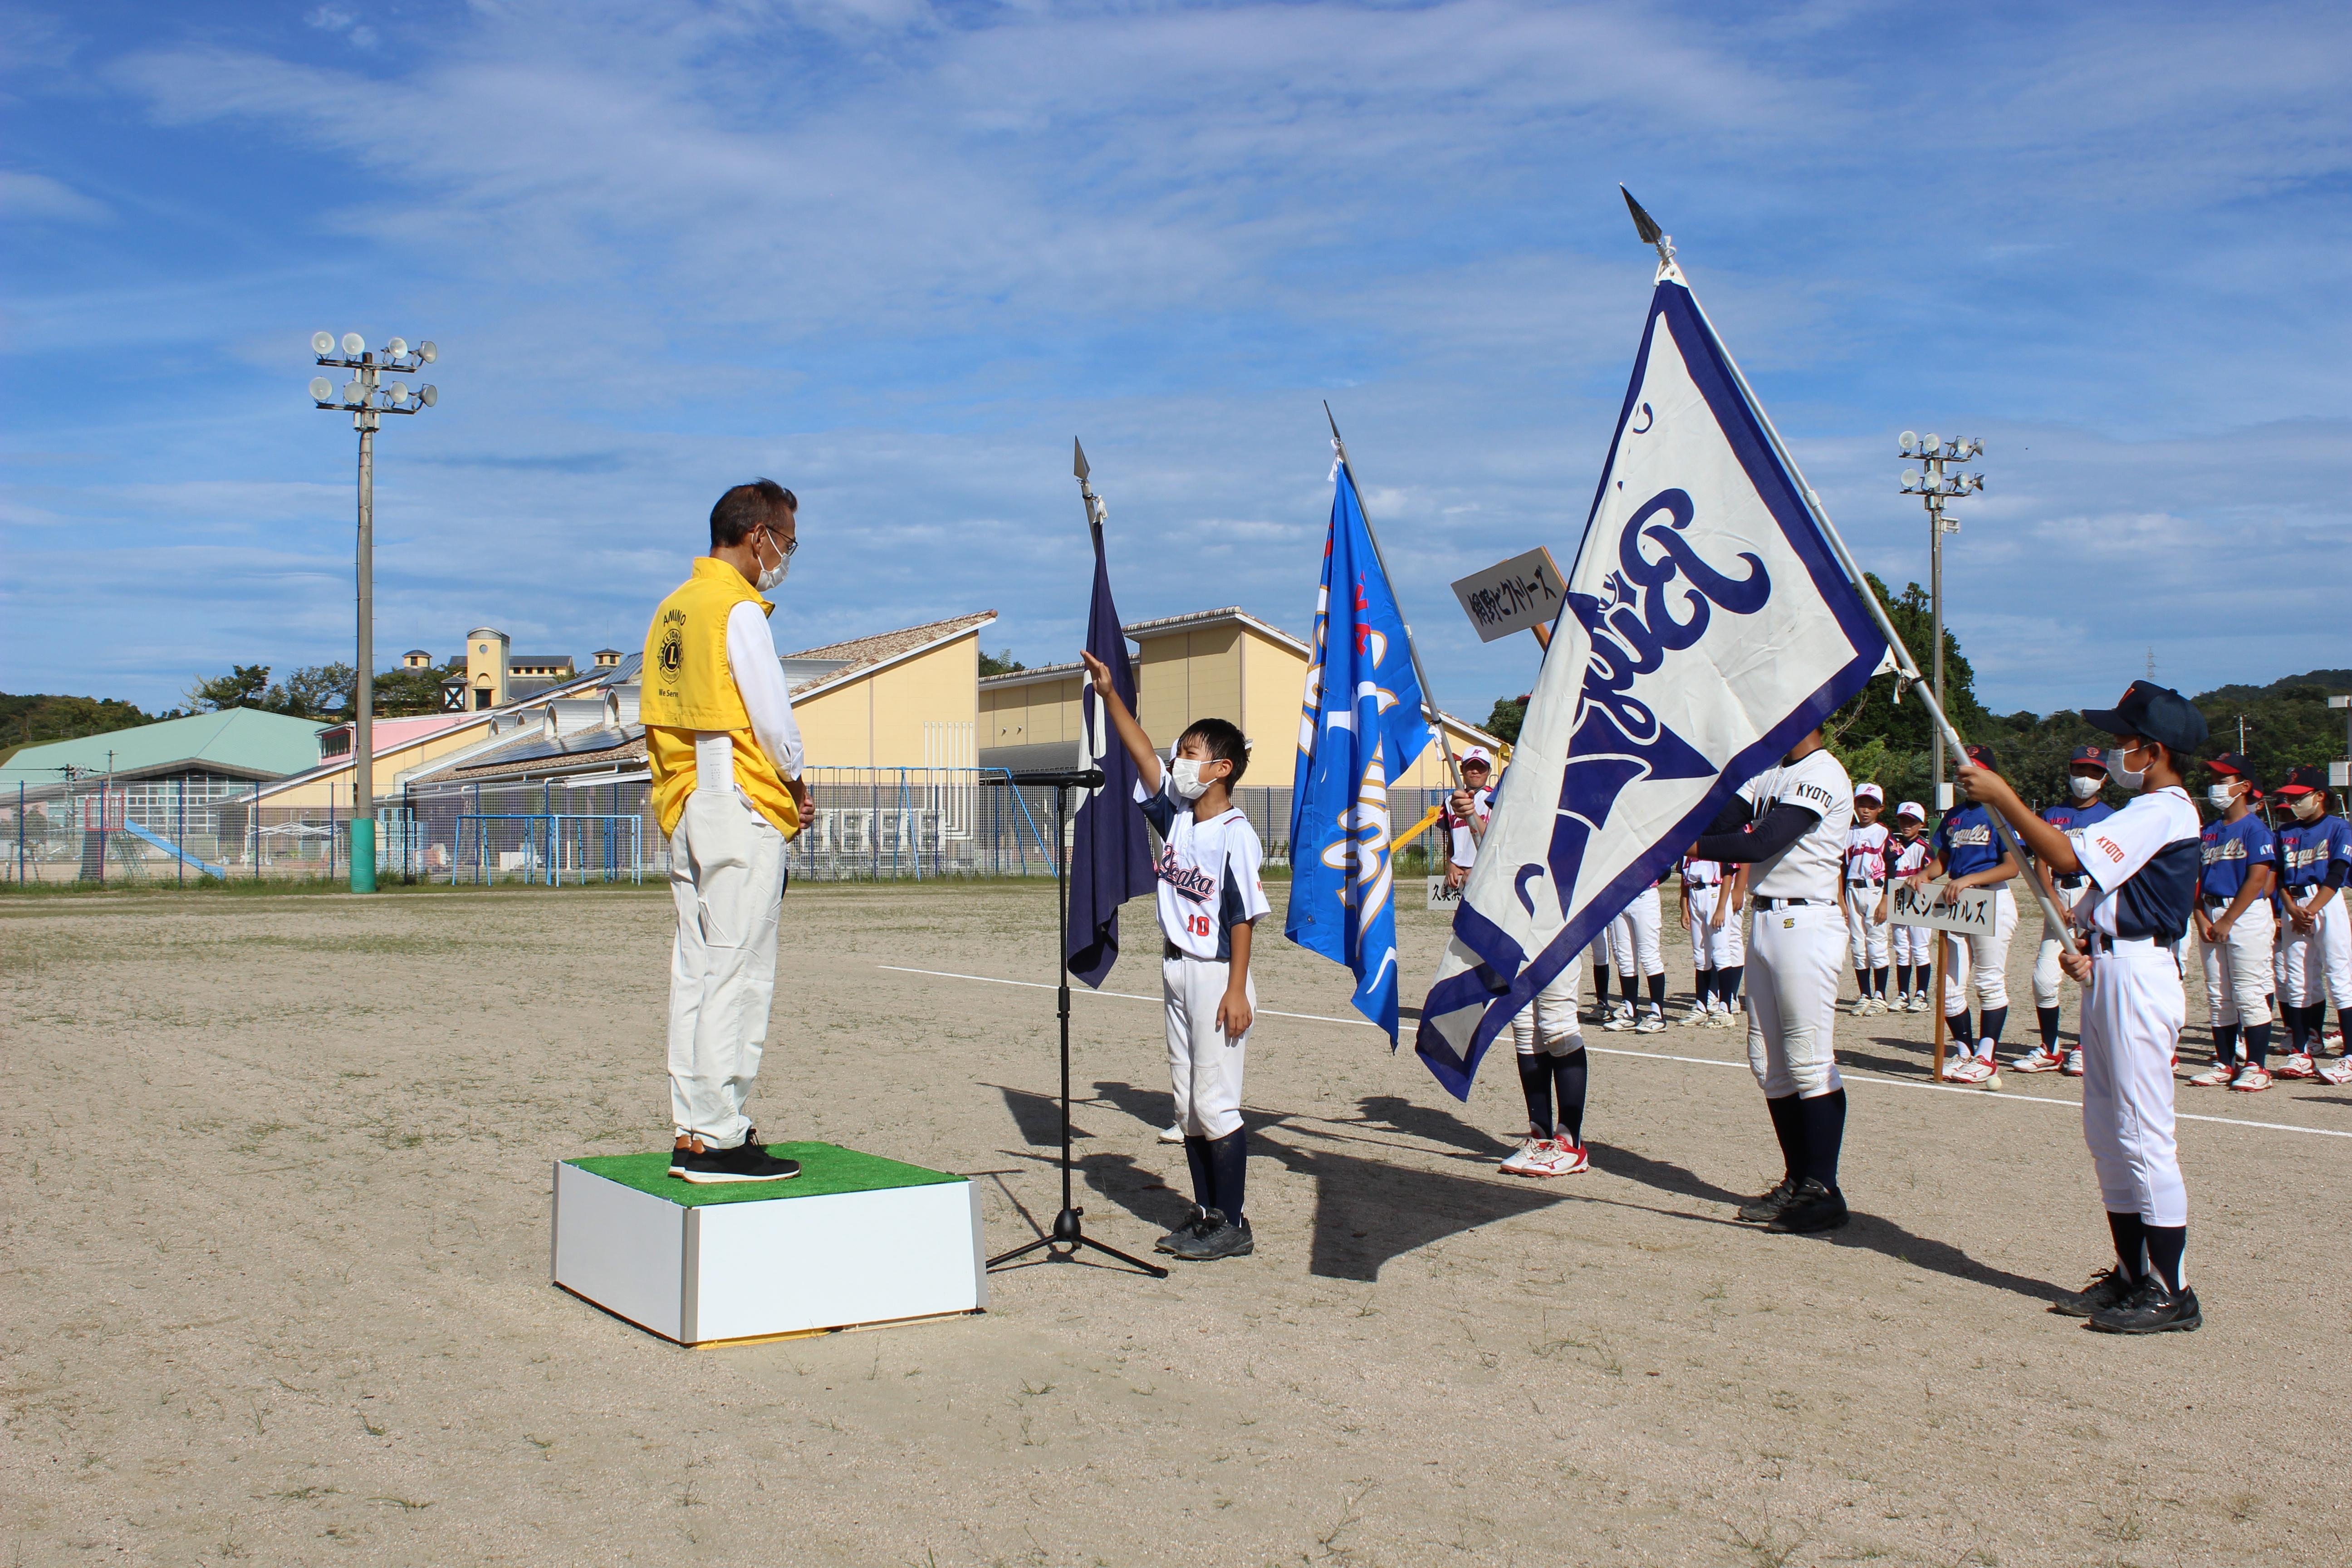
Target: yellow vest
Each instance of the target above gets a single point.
(685, 686)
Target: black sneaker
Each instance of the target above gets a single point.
(2150, 1308)
(747, 1161)
(677, 1154)
(1214, 1236)
(1168, 1243)
(1814, 1207)
(1768, 1208)
(2108, 1289)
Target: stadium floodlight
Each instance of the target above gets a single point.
(367, 398)
(1934, 485)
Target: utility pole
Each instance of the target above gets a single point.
(1935, 486)
(367, 398)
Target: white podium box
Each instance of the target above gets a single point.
(854, 1240)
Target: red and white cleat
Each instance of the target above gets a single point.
(2038, 1060)
(2297, 1065)
(2251, 1079)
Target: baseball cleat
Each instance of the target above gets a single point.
(1919, 1004)
(2150, 1308)
(1562, 1158)
(2251, 1079)
(1814, 1207)
(2336, 1072)
(2297, 1065)
(1523, 1160)
(1969, 1070)
(1213, 1236)
(2074, 1067)
(1172, 1133)
(1192, 1222)
(1765, 1209)
(2218, 1076)
(1652, 1023)
(2108, 1289)
(1620, 1022)
(2038, 1060)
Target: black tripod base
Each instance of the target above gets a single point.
(1062, 1247)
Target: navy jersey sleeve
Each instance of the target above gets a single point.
(1159, 807)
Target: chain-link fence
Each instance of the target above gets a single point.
(863, 824)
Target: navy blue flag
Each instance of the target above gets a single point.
(1360, 725)
(1708, 624)
(1111, 848)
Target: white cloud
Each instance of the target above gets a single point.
(27, 197)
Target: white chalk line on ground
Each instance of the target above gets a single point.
(1991, 1097)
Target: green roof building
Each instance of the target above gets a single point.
(240, 743)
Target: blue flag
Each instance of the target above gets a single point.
(1359, 726)
(1111, 848)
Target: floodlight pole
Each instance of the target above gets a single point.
(1934, 485)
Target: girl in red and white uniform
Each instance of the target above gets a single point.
(1865, 899)
(1915, 963)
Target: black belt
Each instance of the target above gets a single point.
(2099, 942)
(1783, 903)
(1866, 884)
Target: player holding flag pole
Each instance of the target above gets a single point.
(1110, 855)
(1360, 724)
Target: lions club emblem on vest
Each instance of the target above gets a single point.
(672, 651)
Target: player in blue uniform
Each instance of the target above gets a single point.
(2141, 867)
(2234, 928)
(2086, 775)
(2315, 931)
(1967, 853)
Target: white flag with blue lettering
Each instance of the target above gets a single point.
(1708, 627)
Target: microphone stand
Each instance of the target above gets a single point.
(1067, 1237)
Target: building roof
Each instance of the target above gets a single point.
(863, 655)
(605, 746)
(558, 658)
(1137, 631)
(242, 742)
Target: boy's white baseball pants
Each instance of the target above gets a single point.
(726, 878)
(1205, 1068)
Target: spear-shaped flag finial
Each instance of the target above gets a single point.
(1078, 452)
(1647, 227)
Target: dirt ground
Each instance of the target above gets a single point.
(275, 1188)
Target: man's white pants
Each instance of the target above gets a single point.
(2238, 972)
(1981, 957)
(1205, 1068)
(1719, 948)
(1633, 937)
(726, 878)
(1795, 958)
(2132, 1013)
(2316, 964)
(1548, 1024)
(1865, 938)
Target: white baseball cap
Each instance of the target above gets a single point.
(1870, 792)
(1913, 810)
(1476, 754)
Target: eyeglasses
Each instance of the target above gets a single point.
(786, 545)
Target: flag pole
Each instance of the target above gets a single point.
(1445, 747)
(1908, 669)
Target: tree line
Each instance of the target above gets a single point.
(326, 692)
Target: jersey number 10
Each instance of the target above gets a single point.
(1199, 925)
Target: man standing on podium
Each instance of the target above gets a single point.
(725, 755)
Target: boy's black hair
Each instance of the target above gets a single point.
(1224, 737)
(747, 507)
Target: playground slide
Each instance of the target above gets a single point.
(172, 849)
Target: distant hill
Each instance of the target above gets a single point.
(2288, 722)
(2327, 681)
(29, 721)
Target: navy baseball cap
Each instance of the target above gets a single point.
(2304, 781)
(1982, 757)
(2155, 712)
(2093, 755)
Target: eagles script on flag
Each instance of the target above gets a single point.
(1359, 725)
(1708, 627)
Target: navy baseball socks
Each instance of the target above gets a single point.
(1543, 1078)
(1878, 982)
(2046, 1020)
(1812, 1134)
(1219, 1229)
(1534, 1084)
(2157, 1300)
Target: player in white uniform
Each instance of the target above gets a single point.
(1907, 857)
(1866, 899)
(1209, 895)
(1636, 948)
(2142, 864)
(1467, 812)
(1967, 853)
(1711, 896)
(1553, 1071)
(1789, 823)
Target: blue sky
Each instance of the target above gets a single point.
(896, 253)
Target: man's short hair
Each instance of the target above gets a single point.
(747, 507)
(1224, 740)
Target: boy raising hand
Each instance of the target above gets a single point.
(1209, 895)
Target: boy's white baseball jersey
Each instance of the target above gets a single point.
(1633, 937)
(1908, 945)
(1463, 844)
(2142, 863)
(1209, 876)
(1796, 949)
(1865, 886)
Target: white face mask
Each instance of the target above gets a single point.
(2080, 787)
(1186, 771)
(772, 575)
(2219, 796)
(2125, 777)
(2309, 807)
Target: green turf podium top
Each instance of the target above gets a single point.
(826, 1170)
